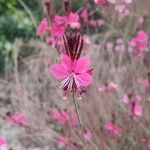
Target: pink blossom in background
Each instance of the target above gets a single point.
(3, 143)
(145, 82)
(127, 1)
(88, 136)
(139, 42)
(125, 99)
(73, 20)
(62, 142)
(113, 129)
(16, 118)
(100, 2)
(63, 116)
(42, 28)
(137, 109)
(108, 87)
(109, 46)
(84, 15)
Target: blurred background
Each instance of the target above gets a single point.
(29, 93)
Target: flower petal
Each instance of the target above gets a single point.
(83, 79)
(82, 65)
(66, 62)
(59, 71)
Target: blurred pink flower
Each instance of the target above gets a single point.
(88, 136)
(145, 83)
(42, 28)
(113, 128)
(127, 1)
(125, 99)
(137, 109)
(73, 20)
(100, 2)
(16, 118)
(62, 142)
(2, 140)
(109, 87)
(3, 143)
(63, 117)
(109, 46)
(139, 42)
(72, 73)
(57, 30)
(84, 15)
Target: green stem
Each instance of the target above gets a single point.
(79, 119)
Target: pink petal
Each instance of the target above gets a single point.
(82, 65)
(125, 99)
(137, 109)
(59, 71)
(83, 79)
(66, 62)
(42, 27)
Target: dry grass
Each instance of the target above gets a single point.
(33, 91)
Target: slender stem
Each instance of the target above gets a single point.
(79, 119)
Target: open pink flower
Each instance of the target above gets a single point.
(73, 20)
(42, 28)
(114, 129)
(72, 73)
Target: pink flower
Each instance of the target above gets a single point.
(42, 28)
(125, 99)
(128, 1)
(100, 2)
(59, 20)
(84, 15)
(88, 136)
(139, 42)
(109, 46)
(73, 71)
(114, 129)
(62, 142)
(57, 30)
(73, 20)
(16, 118)
(63, 117)
(137, 109)
(3, 143)
(2, 140)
